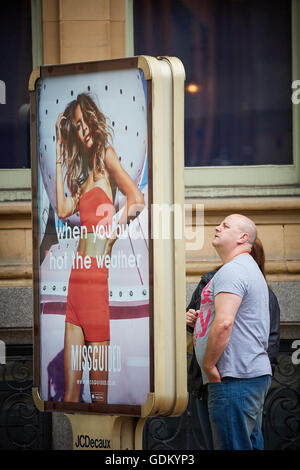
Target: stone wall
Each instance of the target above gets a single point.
(76, 31)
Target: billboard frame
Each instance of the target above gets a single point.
(167, 394)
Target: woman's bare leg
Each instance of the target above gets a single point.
(99, 378)
(73, 337)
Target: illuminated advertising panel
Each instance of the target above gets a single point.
(93, 249)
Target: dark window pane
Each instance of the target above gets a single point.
(15, 69)
(237, 57)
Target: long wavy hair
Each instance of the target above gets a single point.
(75, 157)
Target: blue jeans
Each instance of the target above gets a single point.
(235, 409)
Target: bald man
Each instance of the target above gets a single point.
(231, 339)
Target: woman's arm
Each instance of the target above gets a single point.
(65, 205)
(274, 336)
(134, 197)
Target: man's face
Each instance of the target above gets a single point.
(227, 233)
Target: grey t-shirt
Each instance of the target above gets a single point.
(245, 355)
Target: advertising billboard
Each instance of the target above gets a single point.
(93, 252)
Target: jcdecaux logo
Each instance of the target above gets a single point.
(85, 441)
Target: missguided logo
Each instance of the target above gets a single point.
(85, 441)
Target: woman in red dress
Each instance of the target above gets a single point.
(92, 171)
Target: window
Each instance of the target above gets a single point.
(239, 71)
(15, 67)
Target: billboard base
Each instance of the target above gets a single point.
(103, 432)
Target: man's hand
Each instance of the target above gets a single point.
(212, 373)
(191, 317)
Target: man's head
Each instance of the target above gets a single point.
(235, 235)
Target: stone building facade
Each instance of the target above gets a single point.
(67, 31)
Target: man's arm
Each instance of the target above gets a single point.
(226, 307)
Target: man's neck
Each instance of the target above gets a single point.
(227, 257)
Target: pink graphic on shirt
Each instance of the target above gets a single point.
(204, 314)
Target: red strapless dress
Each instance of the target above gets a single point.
(88, 297)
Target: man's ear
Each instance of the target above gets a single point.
(243, 238)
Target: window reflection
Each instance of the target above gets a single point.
(15, 69)
(237, 57)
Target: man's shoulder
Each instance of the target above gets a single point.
(235, 265)
(233, 273)
(245, 271)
